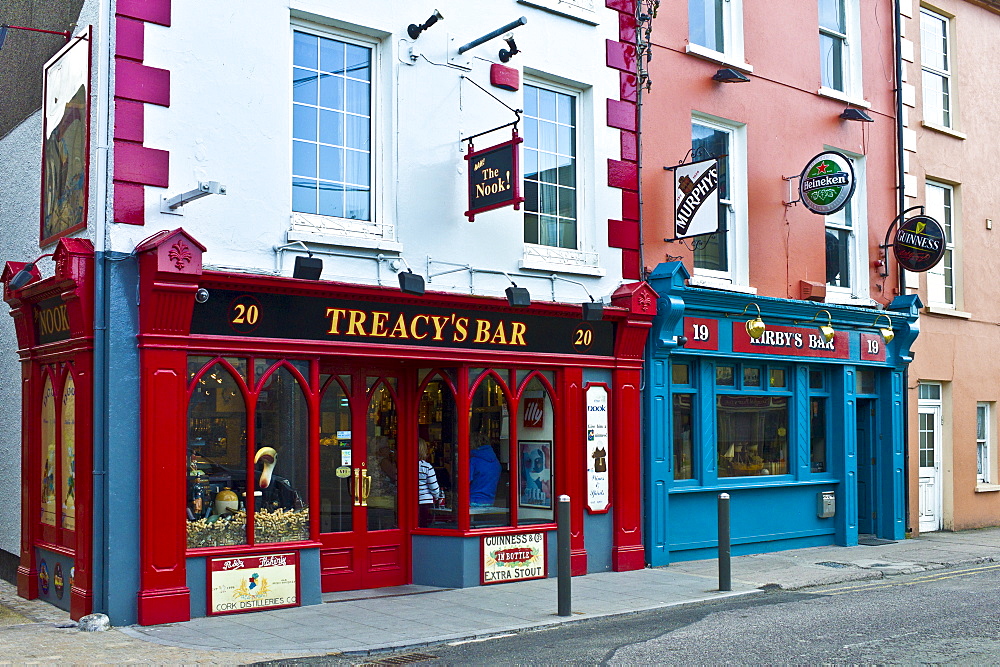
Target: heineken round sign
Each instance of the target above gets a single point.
(827, 183)
(919, 244)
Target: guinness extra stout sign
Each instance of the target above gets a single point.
(919, 244)
(696, 199)
(827, 183)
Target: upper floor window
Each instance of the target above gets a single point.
(935, 60)
(550, 168)
(723, 255)
(941, 288)
(716, 26)
(846, 249)
(331, 127)
(983, 465)
(838, 26)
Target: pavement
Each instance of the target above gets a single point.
(407, 617)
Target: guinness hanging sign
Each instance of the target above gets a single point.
(919, 244)
(827, 183)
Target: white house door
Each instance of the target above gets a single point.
(930, 468)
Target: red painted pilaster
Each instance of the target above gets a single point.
(574, 477)
(169, 270)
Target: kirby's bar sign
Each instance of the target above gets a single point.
(266, 315)
(493, 177)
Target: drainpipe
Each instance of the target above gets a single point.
(99, 554)
(901, 179)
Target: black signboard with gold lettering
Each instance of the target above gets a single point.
(265, 315)
(493, 177)
(51, 321)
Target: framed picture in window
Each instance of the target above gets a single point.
(535, 458)
(66, 141)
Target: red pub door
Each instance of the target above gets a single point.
(361, 518)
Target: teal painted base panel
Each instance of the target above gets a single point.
(678, 555)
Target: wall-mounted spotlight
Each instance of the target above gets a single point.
(410, 282)
(414, 30)
(825, 330)
(307, 268)
(511, 51)
(887, 332)
(593, 311)
(518, 297)
(24, 276)
(729, 75)
(850, 113)
(755, 327)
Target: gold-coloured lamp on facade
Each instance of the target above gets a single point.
(756, 326)
(825, 330)
(887, 332)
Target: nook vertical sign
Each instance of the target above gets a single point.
(493, 177)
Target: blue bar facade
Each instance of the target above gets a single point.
(807, 436)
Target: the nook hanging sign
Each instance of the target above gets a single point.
(493, 177)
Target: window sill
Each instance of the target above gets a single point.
(580, 10)
(987, 488)
(847, 299)
(944, 130)
(720, 283)
(373, 243)
(841, 96)
(560, 260)
(946, 311)
(717, 57)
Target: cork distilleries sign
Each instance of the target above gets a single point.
(253, 583)
(827, 183)
(493, 177)
(266, 315)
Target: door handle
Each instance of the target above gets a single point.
(356, 487)
(366, 487)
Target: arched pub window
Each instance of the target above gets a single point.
(226, 477)
(57, 451)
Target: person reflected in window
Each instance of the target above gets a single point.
(428, 491)
(484, 467)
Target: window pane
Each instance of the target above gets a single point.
(550, 160)
(305, 50)
(217, 461)
(778, 377)
(437, 419)
(926, 439)
(751, 377)
(68, 445)
(930, 391)
(335, 440)
(48, 453)
(724, 376)
(343, 85)
(281, 461)
(752, 435)
(838, 257)
(683, 443)
(536, 435)
(680, 373)
(817, 379)
(831, 54)
(831, 15)
(489, 456)
(711, 252)
(382, 460)
(705, 21)
(817, 434)
(865, 381)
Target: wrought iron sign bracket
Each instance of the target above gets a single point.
(516, 112)
(884, 269)
(791, 192)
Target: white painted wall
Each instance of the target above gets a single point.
(230, 121)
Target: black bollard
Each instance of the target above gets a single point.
(565, 574)
(725, 574)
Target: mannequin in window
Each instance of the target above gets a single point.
(484, 467)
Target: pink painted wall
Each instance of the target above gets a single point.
(787, 123)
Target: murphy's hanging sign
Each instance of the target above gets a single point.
(696, 199)
(827, 183)
(919, 244)
(493, 177)
(317, 318)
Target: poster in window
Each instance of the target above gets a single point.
(65, 141)
(48, 438)
(598, 474)
(68, 490)
(536, 473)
